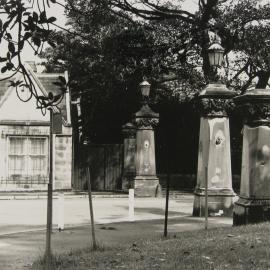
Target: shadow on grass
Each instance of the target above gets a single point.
(61, 261)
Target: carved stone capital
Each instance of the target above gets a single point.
(129, 130)
(214, 107)
(255, 114)
(145, 118)
(146, 123)
(254, 106)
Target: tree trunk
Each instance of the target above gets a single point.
(204, 54)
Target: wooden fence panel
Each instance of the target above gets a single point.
(113, 168)
(106, 165)
(97, 166)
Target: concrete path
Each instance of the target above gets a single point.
(19, 250)
(21, 215)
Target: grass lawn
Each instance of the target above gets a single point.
(245, 247)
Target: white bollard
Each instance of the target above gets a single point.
(61, 211)
(131, 216)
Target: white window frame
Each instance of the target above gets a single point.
(24, 172)
(28, 172)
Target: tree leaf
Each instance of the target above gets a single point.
(5, 25)
(18, 82)
(8, 36)
(57, 97)
(9, 65)
(43, 17)
(50, 96)
(51, 20)
(21, 44)
(35, 16)
(11, 47)
(27, 35)
(12, 83)
(62, 79)
(3, 59)
(15, 83)
(36, 41)
(51, 43)
(4, 69)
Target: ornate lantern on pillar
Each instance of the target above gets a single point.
(146, 182)
(214, 158)
(145, 90)
(216, 53)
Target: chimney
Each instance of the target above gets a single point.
(32, 64)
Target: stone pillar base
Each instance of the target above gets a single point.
(147, 186)
(220, 202)
(248, 211)
(128, 181)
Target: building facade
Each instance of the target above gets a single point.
(24, 138)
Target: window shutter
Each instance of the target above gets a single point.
(57, 123)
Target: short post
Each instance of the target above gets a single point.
(91, 209)
(49, 200)
(206, 199)
(167, 205)
(131, 215)
(61, 211)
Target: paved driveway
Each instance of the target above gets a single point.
(20, 215)
(19, 250)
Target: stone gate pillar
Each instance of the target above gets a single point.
(146, 182)
(129, 172)
(214, 158)
(254, 202)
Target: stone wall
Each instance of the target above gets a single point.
(63, 162)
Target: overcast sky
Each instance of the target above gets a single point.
(58, 11)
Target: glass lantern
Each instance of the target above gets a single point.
(215, 54)
(145, 89)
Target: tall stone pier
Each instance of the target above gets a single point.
(146, 182)
(214, 158)
(129, 171)
(254, 200)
